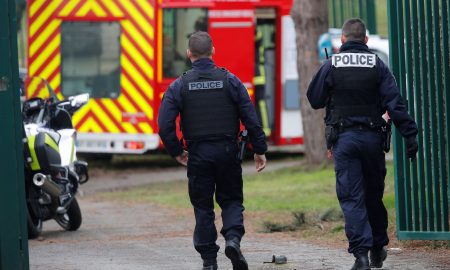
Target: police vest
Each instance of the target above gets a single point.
(355, 90)
(208, 110)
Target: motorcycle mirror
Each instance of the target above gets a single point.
(79, 100)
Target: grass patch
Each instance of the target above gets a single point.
(289, 199)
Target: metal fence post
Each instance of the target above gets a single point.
(418, 37)
(13, 231)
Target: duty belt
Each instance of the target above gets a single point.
(359, 127)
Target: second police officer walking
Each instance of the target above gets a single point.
(211, 101)
(356, 88)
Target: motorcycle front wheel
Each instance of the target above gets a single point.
(71, 220)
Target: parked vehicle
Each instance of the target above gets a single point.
(52, 171)
(332, 41)
(125, 53)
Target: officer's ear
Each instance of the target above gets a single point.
(213, 51)
(366, 39)
(188, 53)
(343, 39)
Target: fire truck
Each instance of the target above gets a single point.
(125, 53)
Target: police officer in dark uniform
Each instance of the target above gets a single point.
(211, 101)
(356, 88)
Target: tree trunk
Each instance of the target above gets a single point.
(311, 20)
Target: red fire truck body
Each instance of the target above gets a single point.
(125, 53)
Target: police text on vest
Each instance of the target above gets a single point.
(354, 60)
(205, 85)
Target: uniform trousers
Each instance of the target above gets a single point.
(360, 169)
(213, 169)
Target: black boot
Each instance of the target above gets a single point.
(377, 257)
(361, 263)
(233, 252)
(210, 264)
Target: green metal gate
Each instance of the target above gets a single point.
(419, 56)
(13, 230)
(341, 10)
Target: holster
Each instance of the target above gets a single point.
(386, 134)
(243, 136)
(331, 136)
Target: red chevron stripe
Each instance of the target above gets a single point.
(111, 117)
(105, 9)
(133, 21)
(99, 122)
(137, 46)
(39, 51)
(57, 89)
(40, 30)
(76, 9)
(146, 17)
(136, 66)
(49, 59)
(39, 11)
(82, 120)
(138, 88)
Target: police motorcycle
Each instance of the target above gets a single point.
(52, 171)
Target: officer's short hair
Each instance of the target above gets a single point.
(200, 44)
(354, 29)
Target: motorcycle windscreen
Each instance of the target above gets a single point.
(232, 32)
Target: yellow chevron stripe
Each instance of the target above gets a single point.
(145, 5)
(137, 97)
(33, 86)
(43, 17)
(86, 127)
(137, 37)
(98, 10)
(68, 8)
(84, 9)
(76, 118)
(146, 128)
(137, 76)
(91, 125)
(42, 38)
(50, 68)
(143, 23)
(35, 6)
(128, 108)
(108, 123)
(136, 55)
(51, 47)
(60, 96)
(56, 81)
(117, 114)
(126, 104)
(113, 8)
(159, 45)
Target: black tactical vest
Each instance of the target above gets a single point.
(208, 110)
(355, 89)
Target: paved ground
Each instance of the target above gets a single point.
(121, 236)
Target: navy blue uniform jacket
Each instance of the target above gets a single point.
(391, 101)
(172, 105)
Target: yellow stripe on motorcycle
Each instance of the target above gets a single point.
(34, 163)
(49, 141)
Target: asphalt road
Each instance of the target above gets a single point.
(122, 236)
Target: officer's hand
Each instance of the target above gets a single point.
(329, 154)
(260, 162)
(183, 158)
(411, 147)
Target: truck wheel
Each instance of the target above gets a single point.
(71, 220)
